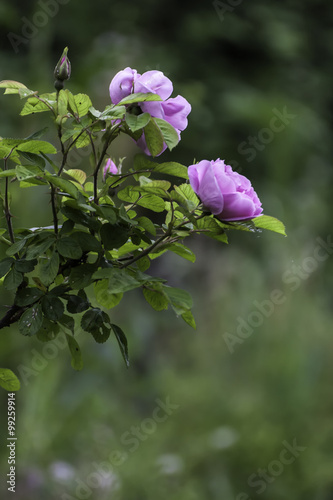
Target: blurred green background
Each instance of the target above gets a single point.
(232, 414)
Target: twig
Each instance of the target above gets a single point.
(8, 215)
(148, 249)
(100, 161)
(54, 208)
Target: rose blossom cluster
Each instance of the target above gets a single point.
(174, 110)
(227, 194)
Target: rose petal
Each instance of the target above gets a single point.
(176, 110)
(206, 186)
(154, 81)
(237, 206)
(122, 84)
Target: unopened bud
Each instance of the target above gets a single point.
(62, 71)
(110, 168)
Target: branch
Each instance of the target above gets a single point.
(100, 161)
(8, 215)
(54, 208)
(12, 315)
(148, 249)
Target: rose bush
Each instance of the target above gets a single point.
(105, 232)
(227, 194)
(173, 110)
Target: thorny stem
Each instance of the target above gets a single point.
(46, 104)
(129, 174)
(159, 240)
(63, 151)
(148, 249)
(8, 215)
(54, 208)
(100, 161)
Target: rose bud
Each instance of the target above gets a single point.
(62, 71)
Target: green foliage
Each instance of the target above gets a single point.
(104, 232)
(8, 380)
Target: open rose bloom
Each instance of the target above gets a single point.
(174, 110)
(227, 194)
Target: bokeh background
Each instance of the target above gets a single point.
(234, 410)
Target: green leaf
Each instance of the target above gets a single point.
(11, 172)
(13, 279)
(80, 217)
(141, 162)
(71, 103)
(189, 319)
(147, 225)
(77, 174)
(180, 300)
(119, 279)
(68, 247)
(156, 297)
(270, 223)
(8, 380)
(74, 348)
(104, 295)
(83, 103)
(48, 331)
(37, 135)
(137, 122)
(93, 319)
(53, 307)
(172, 168)
(49, 269)
(139, 97)
(209, 226)
(62, 102)
(108, 213)
(31, 320)
(80, 276)
(114, 235)
(35, 250)
(154, 138)
(82, 141)
(143, 263)
(102, 334)
(87, 242)
(67, 322)
(169, 133)
(110, 113)
(11, 86)
(44, 102)
(27, 296)
(184, 194)
(5, 265)
(33, 158)
(127, 194)
(23, 172)
(25, 266)
(15, 247)
(152, 202)
(122, 341)
(153, 186)
(65, 186)
(28, 146)
(24, 93)
(182, 251)
(77, 304)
